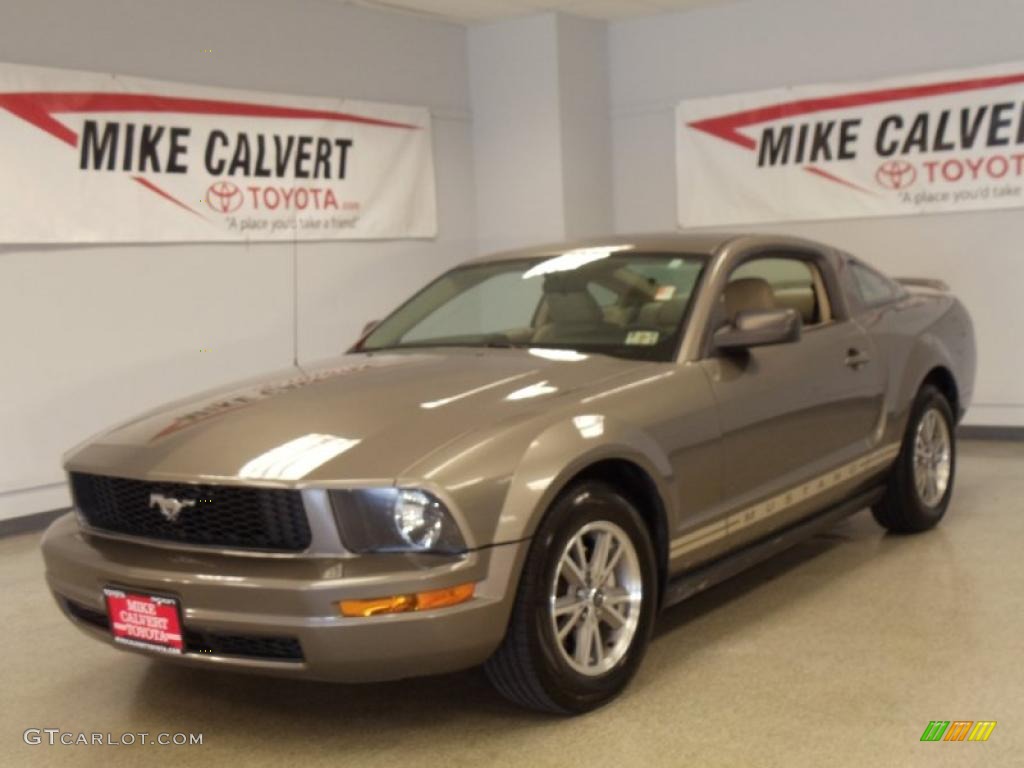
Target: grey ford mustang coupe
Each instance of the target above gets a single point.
(521, 466)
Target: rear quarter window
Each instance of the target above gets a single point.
(872, 287)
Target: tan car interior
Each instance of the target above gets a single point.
(748, 294)
(777, 283)
(569, 310)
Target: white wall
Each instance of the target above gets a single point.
(583, 87)
(87, 334)
(517, 132)
(539, 91)
(758, 44)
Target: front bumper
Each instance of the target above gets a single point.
(296, 597)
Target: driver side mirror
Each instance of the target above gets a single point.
(760, 328)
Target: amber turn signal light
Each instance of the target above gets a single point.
(419, 601)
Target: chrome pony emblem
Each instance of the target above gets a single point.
(170, 507)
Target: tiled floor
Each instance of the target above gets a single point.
(837, 653)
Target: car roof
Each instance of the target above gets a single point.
(705, 243)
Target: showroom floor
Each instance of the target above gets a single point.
(837, 653)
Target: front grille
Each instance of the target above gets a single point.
(252, 646)
(223, 515)
(211, 643)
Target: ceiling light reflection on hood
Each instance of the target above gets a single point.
(624, 387)
(533, 390)
(589, 425)
(469, 392)
(574, 259)
(296, 458)
(560, 355)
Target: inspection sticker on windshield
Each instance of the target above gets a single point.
(642, 338)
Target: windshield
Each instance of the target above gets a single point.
(610, 300)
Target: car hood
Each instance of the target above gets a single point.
(355, 417)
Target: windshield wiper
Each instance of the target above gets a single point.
(483, 344)
(498, 344)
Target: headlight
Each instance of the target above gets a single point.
(395, 520)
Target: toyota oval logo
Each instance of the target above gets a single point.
(896, 174)
(224, 197)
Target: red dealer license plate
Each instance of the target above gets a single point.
(144, 621)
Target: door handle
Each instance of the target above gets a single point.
(855, 358)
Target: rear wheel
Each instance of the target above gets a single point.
(921, 482)
(584, 607)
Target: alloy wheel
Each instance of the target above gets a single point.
(595, 598)
(933, 458)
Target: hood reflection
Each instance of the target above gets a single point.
(589, 425)
(533, 390)
(475, 391)
(558, 355)
(296, 458)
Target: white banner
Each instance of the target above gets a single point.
(951, 141)
(99, 158)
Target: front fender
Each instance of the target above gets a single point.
(499, 481)
(563, 450)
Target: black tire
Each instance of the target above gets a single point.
(528, 667)
(902, 509)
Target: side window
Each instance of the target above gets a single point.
(874, 288)
(794, 283)
(495, 305)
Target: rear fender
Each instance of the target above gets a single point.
(946, 343)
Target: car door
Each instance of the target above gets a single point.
(793, 415)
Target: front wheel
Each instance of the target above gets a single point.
(921, 483)
(584, 608)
